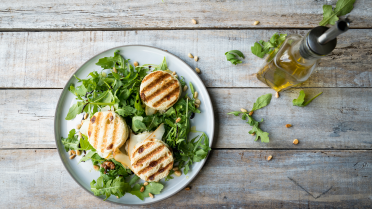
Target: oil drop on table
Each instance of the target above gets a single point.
(293, 62)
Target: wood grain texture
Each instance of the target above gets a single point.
(230, 178)
(169, 14)
(48, 59)
(338, 119)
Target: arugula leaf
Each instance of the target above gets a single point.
(71, 142)
(192, 89)
(261, 47)
(330, 16)
(231, 56)
(115, 187)
(84, 143)
(133, 180)
(126, 111)
(74, 110)
(110, 62)
(152, 187)
(301, 98)
(137, 124)
(262, 101)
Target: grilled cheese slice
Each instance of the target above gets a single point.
(160, 90)
(107, 131)
(151, 159)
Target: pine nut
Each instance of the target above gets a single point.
(197, 101)
(187, 188)
(295, 141)
(86, 116)
(78, 126)
(178, 120)
(253, 133)
(70, 153)
(146, 183)
(269, 158)
(78, 152)
(175, 168)
(243, 110)
(142, 189)
(190, 55)
(73, 152)
(250, 113)
(288, 125)
(256, 22)
(72, 157)
(185, 88)
(135, 63)
(80, 135)
(197, 106)
(114, 69)
(193, 21)
(151, 195)
(277, 94)
(96, 167)
(197, 70)
(196, 94)
(178, 173)
(196, 58)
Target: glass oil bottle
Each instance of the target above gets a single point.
(293, 62)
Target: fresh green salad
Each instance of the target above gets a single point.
(119, 89)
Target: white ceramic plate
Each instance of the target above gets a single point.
(84, 173)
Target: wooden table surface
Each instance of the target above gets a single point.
(43, 42)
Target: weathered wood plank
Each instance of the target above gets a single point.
(234, 178)
(169, 14)
(338, 119)
(48, 59)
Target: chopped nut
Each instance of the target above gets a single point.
(197, 106)
(104, 74)
(253, 133)
(146, 183)
(193, 21)
(277, 94)
(69, 152)
(196, 58)
(135, 63)
(72, 152)
(178, 173)
(190, 55)
(288, 125)
(187, 188)
(250, 113)
(256, 22)
(196, 94)
(108, 165)
(185, 88)
(295, 141)
(78, 152)
(72, 157)
(96, 167)
(269, 158)
(197, 70)
(86, 116)
(80, 135)
(197, 101)
(78, 126)
(175, 168)
(243, 110)
(178, 120)
(142, 189)
(151, 195)
(114, 69)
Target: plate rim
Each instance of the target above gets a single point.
(210, 137)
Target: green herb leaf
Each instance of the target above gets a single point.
(115, 187)
(71, 142)
(233, 55)
(126, 111)
(152, 187)
(262, 101)
(262, 47)
(74, 110)
(137, 124)
(343, 7)
(301, 99)
(84, 143)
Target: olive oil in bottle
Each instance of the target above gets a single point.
(294, 61)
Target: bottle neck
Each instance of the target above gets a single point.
(306, 52)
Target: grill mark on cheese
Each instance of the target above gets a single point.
(116, 130)
(145, 170)
(169, 85)
(104, 131)
(98, 130)
(94, 130)
(145, 146)
(156, 81)
(170, 95)
(149, 156)
(166, 168)
(151, 75)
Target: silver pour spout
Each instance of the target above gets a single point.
(340, 27)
